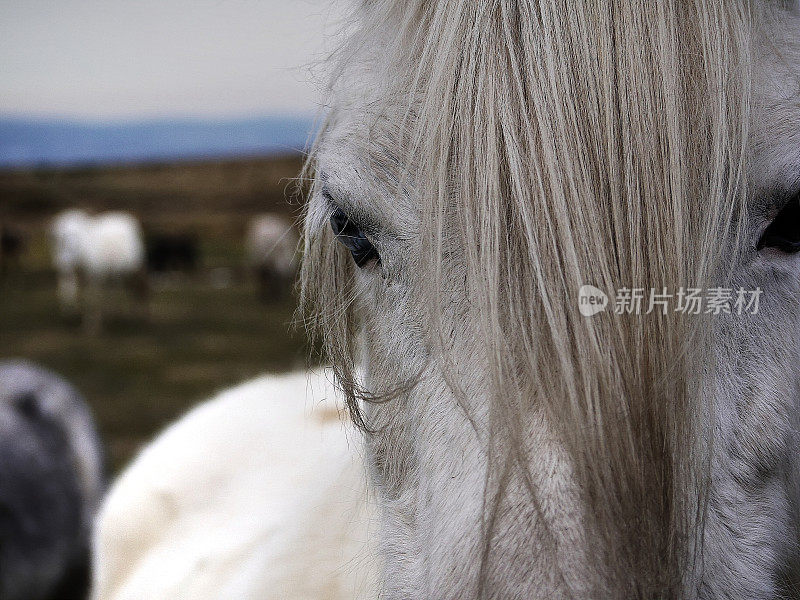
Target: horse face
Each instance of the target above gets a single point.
(431, 444)
(756, 379)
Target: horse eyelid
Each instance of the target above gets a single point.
(361, 221)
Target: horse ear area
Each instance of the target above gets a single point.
(27, 405)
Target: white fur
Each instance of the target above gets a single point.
(104, 245)
(457, 138)
(112, 245)
(258, 493)
(93, 250)
(67, 233)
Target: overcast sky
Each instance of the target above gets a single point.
(112, 59)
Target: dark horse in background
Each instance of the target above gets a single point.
(172, 252)
(51, 482)
(12, 245)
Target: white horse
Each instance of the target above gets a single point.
(67, 232)
(51, 469)
(271, 247)
(481, 163)
(257, 494)
(95, 250)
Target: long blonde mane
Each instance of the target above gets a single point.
(552, 144)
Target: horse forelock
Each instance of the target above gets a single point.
(550, 145)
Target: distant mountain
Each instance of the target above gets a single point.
(33, 142)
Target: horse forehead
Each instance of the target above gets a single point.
(361, 157)
(362, 150)
(775, 131)
(370, 130)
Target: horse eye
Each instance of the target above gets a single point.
(349, 234)
(784, 231)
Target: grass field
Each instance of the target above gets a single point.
(141, 373)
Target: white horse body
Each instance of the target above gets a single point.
(254, 494)
(66, 230)
(94, 250)
(112, 245)
(67, 244)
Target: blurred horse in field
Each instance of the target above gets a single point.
(272, 255)
(172, 253)
(51, 482)
(90, 252)
(257, 494)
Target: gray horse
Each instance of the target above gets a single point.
(483, 162)
(51, 481)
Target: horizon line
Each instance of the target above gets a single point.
(63, 118)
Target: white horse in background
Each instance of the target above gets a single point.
(256, 494)
(89, 252)
(67, 233)
(271, 247)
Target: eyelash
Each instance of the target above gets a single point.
(349, 234)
